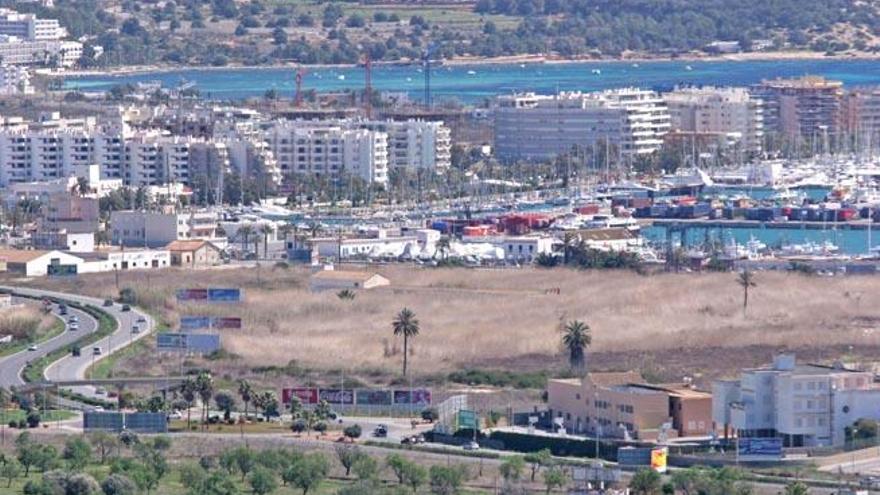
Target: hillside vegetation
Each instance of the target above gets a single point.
(219, 32)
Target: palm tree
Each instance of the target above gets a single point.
(266, 229)
(244, 234)
(246, 392)
(285, 231)
(443, 246)
(576, 337)
(205, 389)
(405, 324)
(746, 280)
(188, 390)
(315, 228)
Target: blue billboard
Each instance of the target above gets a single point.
(224, 295)
(170, 341)
(195, 322)
(770, 448)
(201, 343)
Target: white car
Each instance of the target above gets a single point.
(471, 446)
(73, 325)
(32, 347)
(73, 319)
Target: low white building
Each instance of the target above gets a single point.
(517, 249)
(157, 229)
(39, 263)
(127, 259)
(805, 405)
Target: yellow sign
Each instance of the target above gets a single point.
(658, 459)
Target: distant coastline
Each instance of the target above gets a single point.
(477, 61)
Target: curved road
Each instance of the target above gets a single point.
(12, 366)
(70, 367)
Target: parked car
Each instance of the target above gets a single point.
(73, 319)
(142, 320)
(108, 303)
(126, 307)
(381, 431)
(32, 347)
(62, 309)
(96, 351)
(135, 329)
(73, 326)
(471, 446)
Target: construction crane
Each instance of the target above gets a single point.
(426, 64)
(298, 97)
(368, 85)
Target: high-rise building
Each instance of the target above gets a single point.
(730, 114)
(29, 27)
(807, 107)
(530, 126)
(328, 148)
(415, 144)
(861, 116)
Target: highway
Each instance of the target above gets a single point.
(74, 367)
(12, 366)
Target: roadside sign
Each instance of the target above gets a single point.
(658, 459)
(224, 295)
(468, 419)
(759, 448)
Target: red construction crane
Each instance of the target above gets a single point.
(298, 98)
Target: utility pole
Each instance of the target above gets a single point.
(368, 85)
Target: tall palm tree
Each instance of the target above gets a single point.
(315, 228)
(405, 324)
(246, 392)
(285, 230)
(205, 389)
(443, 246)
(576, 337)
(188, 390)
(244, 234)
(266, 229)
(746, 280)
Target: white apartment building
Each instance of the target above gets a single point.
(416, 144)
(730, 113)
(30, 27)
(157, 229)
(320, 148)
(15, 80)
(530, 126)
(806, 405)
(61, 53)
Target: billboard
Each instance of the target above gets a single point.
(190, 323)
(170, 341)
(305, 395)
(194, 322)
(768, 448)
(192, 295)
(468, 419)
(202, 343)
(146, 422)
(103, 420)
(226, 323)
(336, 396)
(224, 295)
(56, 270)
(658, 459)
(416, 397)
(368, 397)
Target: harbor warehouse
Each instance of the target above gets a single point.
(35, 263)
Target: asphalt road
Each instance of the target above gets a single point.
(74, 368)
(11, 366)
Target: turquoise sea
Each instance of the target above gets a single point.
(472, 83)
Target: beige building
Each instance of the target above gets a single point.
(808, 107)
(729, 114)
(622, 404)
(193, 254)
(352, 280)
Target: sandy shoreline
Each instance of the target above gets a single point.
(477, 61)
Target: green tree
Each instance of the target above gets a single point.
(576, 338)
(10, 470)
(447, 480)
(225, 402)
(246, 392)
(352, 432)
(188, 391)
(348, 456)
(512, 468)
(308, 472)
(746, 280)
(262, 481)
(266, 230)
(118, 484)
(405, 325)
(414, 476)
(645, 482)
(797, 488)
(77, 452)
(205, 389)
(365, 468)
(241, 459)
(537, 460)
(554, 477)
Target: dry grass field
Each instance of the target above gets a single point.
(667, 325)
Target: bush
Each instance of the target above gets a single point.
(117, 484)
(352, 432)
(430, 415)
(33, 419)
(321, 427)
(128, 296)
(561, 447)
(499, 378)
